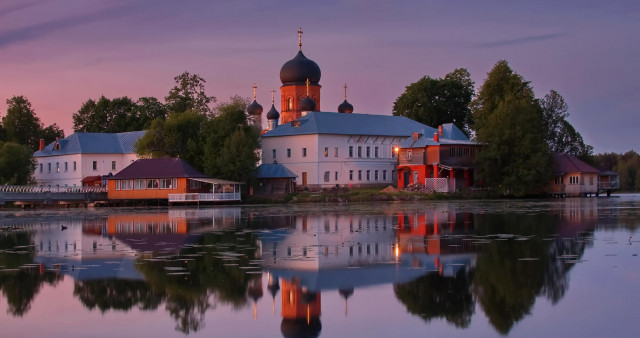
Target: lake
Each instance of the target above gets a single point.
(516, 268)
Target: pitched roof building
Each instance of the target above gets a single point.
(67, 161)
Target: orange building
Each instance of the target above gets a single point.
(443, 163)
(169, 179)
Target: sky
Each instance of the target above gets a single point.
(60, 53)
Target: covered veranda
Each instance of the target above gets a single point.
(208, 190)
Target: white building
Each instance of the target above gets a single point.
(327, 149)
(68, 161)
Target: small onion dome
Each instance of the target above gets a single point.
(307, 104)
(273, 114)
(254, 108)
(299, 69)
(345, 107)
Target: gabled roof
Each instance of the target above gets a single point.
(350, 124)
(450, 135)
(158, 168)
(93, 143)
(565, 163)
(275, 170)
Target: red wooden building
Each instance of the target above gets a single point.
(441, 162)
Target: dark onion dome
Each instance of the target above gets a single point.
(273, 114)
(294, 328)
(254, 108)
(345, 107)
(307, 104)
(299, 69)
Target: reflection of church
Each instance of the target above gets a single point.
(343, 252)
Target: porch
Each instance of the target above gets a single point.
(209, 190)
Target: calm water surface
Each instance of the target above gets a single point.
(558, 268)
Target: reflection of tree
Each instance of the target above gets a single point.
(20, 287)
(117, 294)
(506, 287)
(434, 296)
(211, 271)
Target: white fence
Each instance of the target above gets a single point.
(40, 189)
(209, 197)
(440, 185)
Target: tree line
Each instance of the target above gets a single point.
(520, 132)
(217, 140)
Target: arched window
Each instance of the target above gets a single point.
(290, 104)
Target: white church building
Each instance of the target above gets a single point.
(80, 156)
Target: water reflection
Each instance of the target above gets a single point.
(444, 261)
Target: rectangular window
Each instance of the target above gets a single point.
(57, 167)
(152, 184)
(95, 165)
(368, 175)
(288, 152)
(125, 184)
(336, 176)
(350, 151)
(375, 152)
(350, 175)
(409, 154)
(384, 175)
(375, 175)
(335, 152)
(40, 167)
(359, 175)
(326, 176)
(326, 152)
(359, 151)
(139, 184)
(166, 183)
(48, 167)
(74, 165)
(113, 165)
(175, 183)
(393, 152)
(304, 152)
(368, 151)
(273, 153)
(66, 166)
(117, 184)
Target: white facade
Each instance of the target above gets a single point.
(69, 170)
(325, 161)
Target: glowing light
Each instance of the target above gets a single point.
(396, 149)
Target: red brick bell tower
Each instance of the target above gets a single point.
(294, 75)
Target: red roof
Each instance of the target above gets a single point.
(158, 168)
(91, 179)
(565, 163)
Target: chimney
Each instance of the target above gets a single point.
(436, 137)
(440, 130)
(415, 136)
(41, 146)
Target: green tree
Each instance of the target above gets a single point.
(16, 164)
(180, 135)
(21, 124)
(560, 135)
(147, 110)
(188, 95)
(106, 116)
(508, 120)
(231, 144)
(438, 101)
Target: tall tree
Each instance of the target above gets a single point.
(437, 101)
(16, 164)
(21, 124)
(148, 109)
(231, 144)
(180, 135)
(188, 95)
(508, 120)
(106, 116)
(560, 135)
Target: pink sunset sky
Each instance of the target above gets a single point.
(60, 53)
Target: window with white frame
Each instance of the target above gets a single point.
(409, 154)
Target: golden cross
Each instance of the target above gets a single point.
(299, 38)
(254, 91)
(273, 95)
(345, 91)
